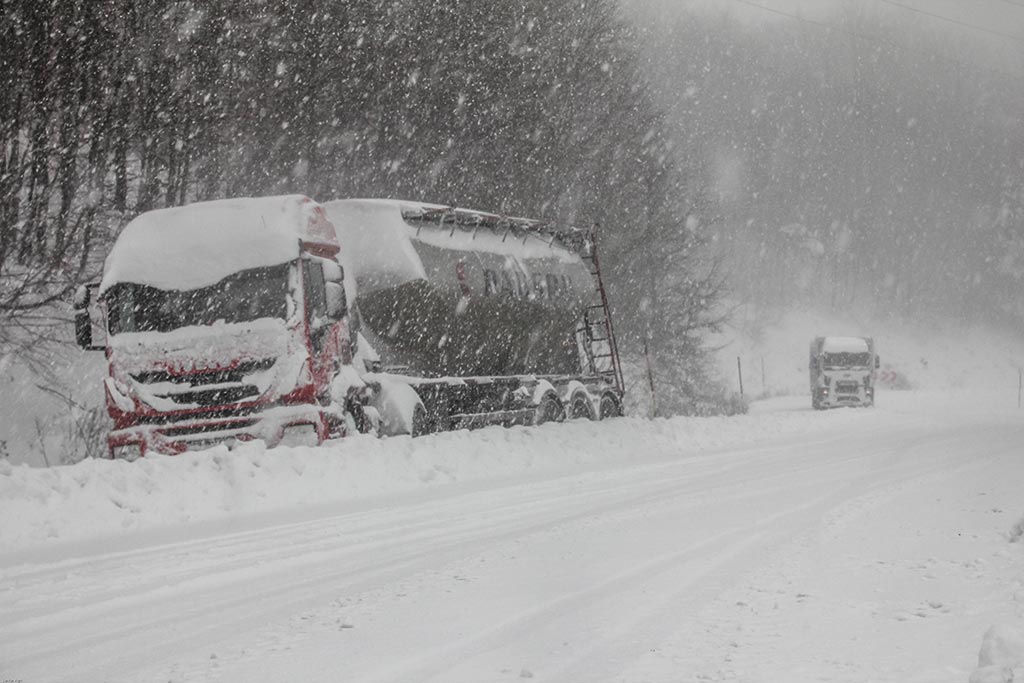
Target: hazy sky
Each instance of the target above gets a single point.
(996, 24)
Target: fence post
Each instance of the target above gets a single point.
(739, 371)
(650, 380)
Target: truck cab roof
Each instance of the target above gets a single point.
(197, 245)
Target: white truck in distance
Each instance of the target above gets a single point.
(842, 371)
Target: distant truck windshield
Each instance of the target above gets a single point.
(836, 361)
(240, 297)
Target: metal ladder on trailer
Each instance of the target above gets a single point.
(595, 333)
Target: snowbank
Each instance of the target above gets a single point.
(1001, 658)
(102, 498)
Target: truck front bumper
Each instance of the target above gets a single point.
(301, 425)
(832, 397)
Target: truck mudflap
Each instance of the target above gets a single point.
(304, 425)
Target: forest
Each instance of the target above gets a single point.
(538, 109)
(856, 163)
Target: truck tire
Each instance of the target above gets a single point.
(548, 410)
(579, 407)
(420, 424)
(609, 407)
(363, 420)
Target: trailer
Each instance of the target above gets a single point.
(468, 318)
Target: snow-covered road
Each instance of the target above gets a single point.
(857, 545)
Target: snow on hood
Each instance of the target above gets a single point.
(198, 245)
(201, 347)
(208, 348)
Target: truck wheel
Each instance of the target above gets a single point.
(579, 407)
(363, 420)
(610, 407)
(335, 426)
(420, 425)
(548, 410)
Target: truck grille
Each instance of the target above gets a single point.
(216, 397)
(847, 387)
(200, 428)
(206, 388)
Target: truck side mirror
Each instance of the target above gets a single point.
(878, 362)
(337, 302)
(83, 320)
(83, 330)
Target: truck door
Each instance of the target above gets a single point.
(322, 340)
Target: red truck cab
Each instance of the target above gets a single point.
(224, 321)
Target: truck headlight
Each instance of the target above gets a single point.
(129, 451)
(299, 435)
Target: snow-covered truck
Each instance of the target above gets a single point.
(842, 371)
(229, 321)
(223, 320)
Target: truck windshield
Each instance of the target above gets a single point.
(241, 297)
(847, 360)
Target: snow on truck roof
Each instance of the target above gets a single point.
(457, 228)
(845, 345)
(374, 230)
(379, 237)
(199, 244)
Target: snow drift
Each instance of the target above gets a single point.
(97, 498)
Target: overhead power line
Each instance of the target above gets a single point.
(787, 14)
(872, 39)
(1008, 36)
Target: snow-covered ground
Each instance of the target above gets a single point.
(787, 544)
